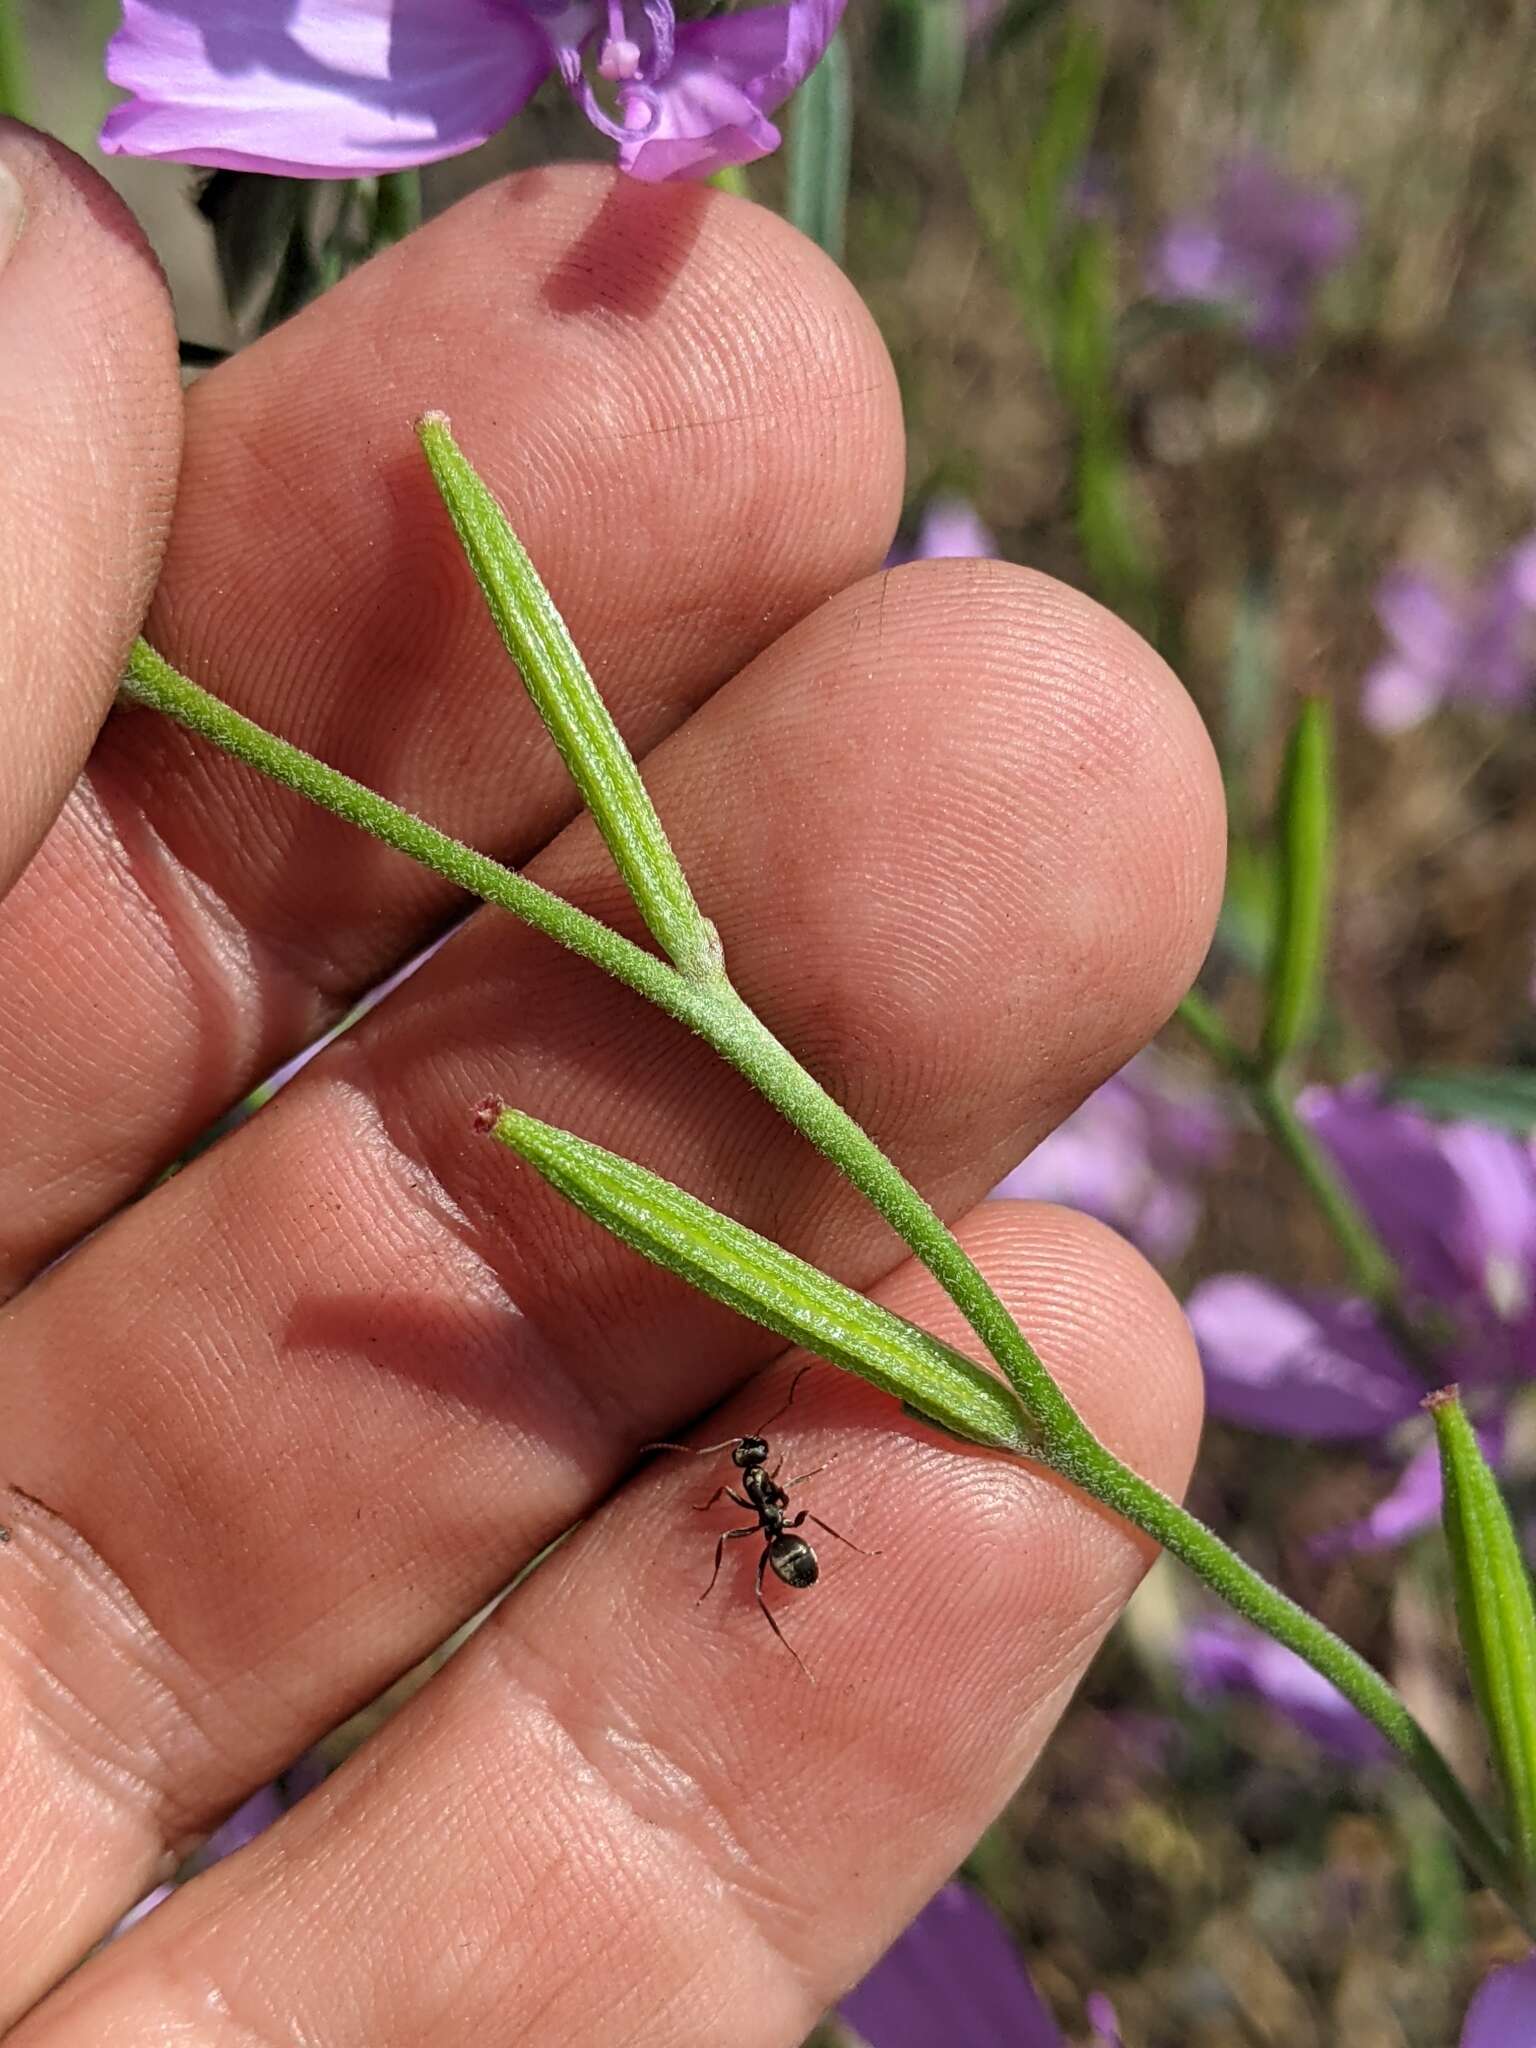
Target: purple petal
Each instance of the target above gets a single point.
(1411, 1506)
(951, 531)
(1518, 571)
(1130, 1155)
(1262, 248)
(244, 1824)
(1503, 2014)
(1222, 1657)
(1494, 1232)
(1191, 262)
(727, 75)
(1297, 1367)
(1104, 2021)
(1281, 220)
(1396, 696)
(1422, 620)
(1455, 1204)
(1394, 1163)
(136, 1913)
(955, 1976)
(318, 88)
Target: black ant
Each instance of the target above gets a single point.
(791, 1556)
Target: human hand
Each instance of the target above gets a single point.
(286, 1421)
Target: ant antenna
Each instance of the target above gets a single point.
(730, 1443)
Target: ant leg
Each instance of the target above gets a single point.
(805, 1515)
(814, 1473)
(762, 1566)
(719, 1553)
(730, 1493)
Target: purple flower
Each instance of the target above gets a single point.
(950, 530)
(955, 1976)
(1131, 1155)
(1411, 1504)
(249, 1820)
(1223, 1658)
(1297, 1365)
(1503, 2014)
(1455, 1205)
(331, 88)
(1261, 249)
(1476, 645)
(1104, 2022)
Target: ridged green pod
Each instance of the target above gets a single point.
(1495, 1614)
(566, 698)
(761, 1280)
(1305, 874)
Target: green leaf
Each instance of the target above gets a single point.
(1305, 838)
(566, 698)
(919, 59)
(1495, 1613)
(820, 151)
(15, 97)
(1019, 21)
(1060, 147)
(761, 1280)
(1503, 1096)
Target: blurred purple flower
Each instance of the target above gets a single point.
(1476, 645)
(1104, 2022)
(1297, 1365)
(949, 530)
(250, 1819)
(1411, 1504)
(1503, 2014)
(1132, 1156)
(1455, 1205)
(331, 88)
(1265, 244)
(955, 1976)
(1223, 1658)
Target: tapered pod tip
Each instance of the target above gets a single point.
(487, 1112)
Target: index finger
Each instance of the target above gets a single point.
(90, 403)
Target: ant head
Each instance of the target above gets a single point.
(749, 1450)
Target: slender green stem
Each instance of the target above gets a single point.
(719, 1015)
(396, 206)
(13, 62)
(1371, 1265)
(1100, 1474)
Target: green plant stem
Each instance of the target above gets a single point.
(396, 206)
(1372, 1268)
(13, 62)
(720, 1016)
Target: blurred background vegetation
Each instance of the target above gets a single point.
(1010, 178)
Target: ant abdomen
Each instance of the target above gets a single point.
(793, 1559)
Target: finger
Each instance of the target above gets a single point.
(90, 409)
(694, 424)
(360, 1369)
(610, 1768)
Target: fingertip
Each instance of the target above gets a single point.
(90, 396)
